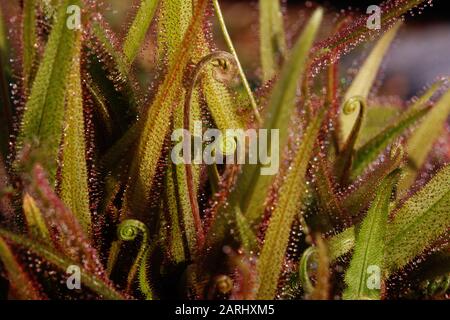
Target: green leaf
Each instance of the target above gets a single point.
(42, 122)
(421, 221)
(353, 35)
(174, 20)
(341, 243)
(246, 234)
(180, 205)
(138, 30)
(304, 269)
(364, 80)
(29, 40)
(120, 63)
(373, 148)
(252, 187)
(67, 233)
(332, 213)
(157, 120)
(370, 246)
(315, 258)
(35, 220)
(272, 38)
(220, 103)
(175, 236)
(377, 116)
(111, 75)
(358, 195)
(20, 282)
(291, 195)
(101, 109)
(421, 142)
(100, 286)
(74, 177)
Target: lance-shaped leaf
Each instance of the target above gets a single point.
(368, 256)
(373, 148)
(377, 117)
(291, 195)
(357, 32)
(252, 186)
(246, 234)
(35, 220)
(29, 40)
(357, 197)
(332, 213)
(220, 102)
(112, 79)
(175, 238)
(272, 38)
(22, 285)
(421, 221)
(42, 122)
(74, 178)
(172, 28)
(97, 284)
(157, 120)
(180, 206)
(173, 22)
(98, 29)
(421, 142)
(66, 231)
(138, 30)
(364, 80)
(341, 243)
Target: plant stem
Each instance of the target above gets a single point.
(229, 43)
(214, 177)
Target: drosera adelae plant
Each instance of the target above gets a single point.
(87, 179)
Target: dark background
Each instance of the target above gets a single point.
(439, 11)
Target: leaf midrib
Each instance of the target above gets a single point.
(368, 243)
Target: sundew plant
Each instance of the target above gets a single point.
(150, 163)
